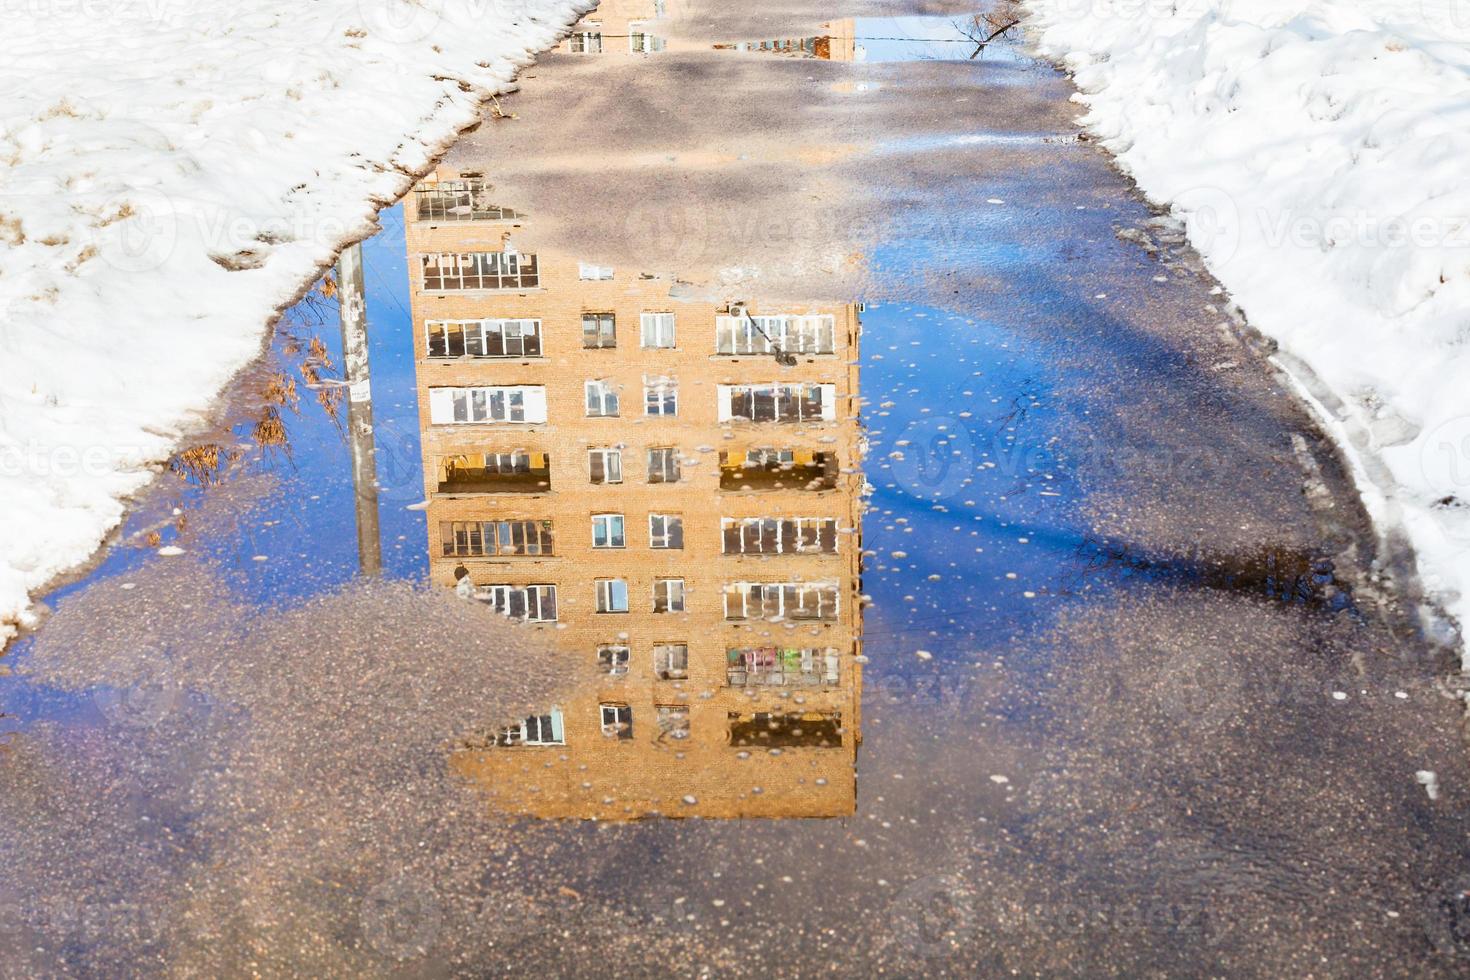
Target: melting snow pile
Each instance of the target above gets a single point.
(1316, 153)
(171, 173)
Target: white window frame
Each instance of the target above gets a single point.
(674, 595)
(505, 538)
(612, 465)
(534, 731)
(465, 199)
(534, 599)
(608, 591)
(477, 334)
(737, 336)
(611, 714)
(662, 393)
(587, 30)
(664, 530)
(613, 530)
(738, 600)
(606, 395)
(765, 457)
(470, 271)
(790, 401)
(656, 331)
(651, 43)
(789, 532)
(488, 405)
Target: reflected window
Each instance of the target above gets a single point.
(671, 661)
(769, 459)
(605, 464)
(658, 330)
(809, 729)
(749, 335)
(617, 720)
(544, 729)
(484, 338)
(602, 399)
(663, 465)
(594, 273)
(613, 658)
(673, 721)
(607, 531)
(661, 397)
(640, 41)
(473, 539)
(469, 406)
(781, 666)
(599, 330)
(458, 200)
(587, 40)
(777, 402)
(784, 535)
(494, 472)
(778, 469)
(668, 595)
(445, 271)
(666, 531)
(533, 603)
(612, 595)
(781, 600)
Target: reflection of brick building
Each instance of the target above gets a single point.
(639, 27)
(839, 43)
(674, 505)
(620, 27)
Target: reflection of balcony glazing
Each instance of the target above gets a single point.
(784, 730)
(785, 469)
(458, 200)
(512, 472)
(782, 667)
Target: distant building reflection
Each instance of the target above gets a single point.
(620, 27)
(670, 491)
(638, 27)
(838, 44)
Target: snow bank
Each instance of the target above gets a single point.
(1316, 152)
(172, 172)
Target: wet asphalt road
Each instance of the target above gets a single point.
(1175, 710)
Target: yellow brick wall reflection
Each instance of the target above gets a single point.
(519, 506)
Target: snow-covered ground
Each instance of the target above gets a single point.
(1317, 152)
(171, 173)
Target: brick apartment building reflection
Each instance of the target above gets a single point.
(670, 491)
(640, 27)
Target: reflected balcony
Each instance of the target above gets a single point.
(775, 730)
(508, 472)
(764, 470)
